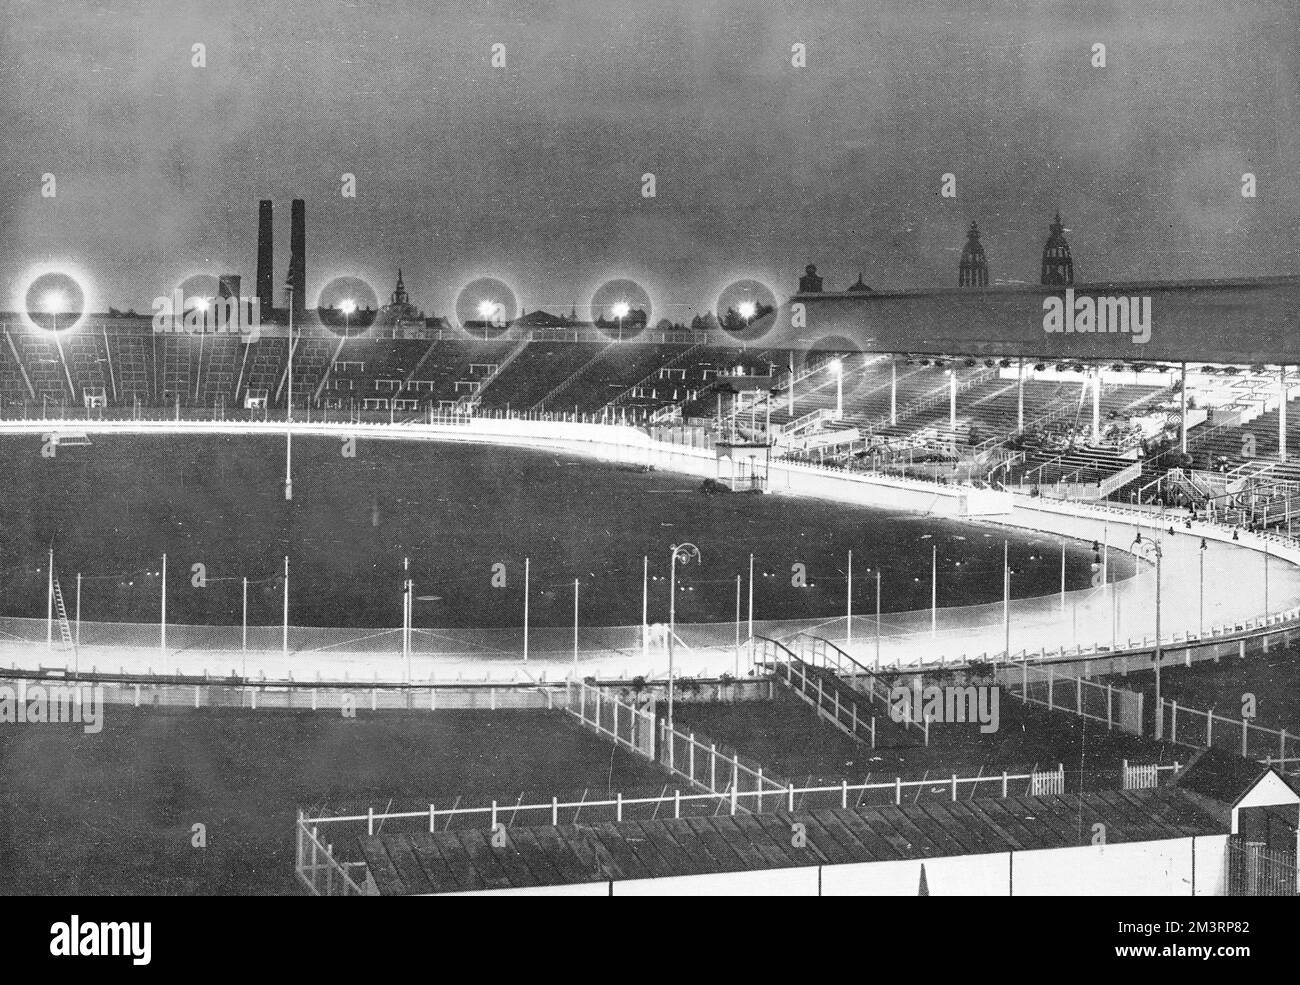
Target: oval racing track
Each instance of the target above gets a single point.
(1238, 577)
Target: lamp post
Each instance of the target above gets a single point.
(288, 290)
(682, 553)
(1150, 549)
(1204, 548)
(288, 433)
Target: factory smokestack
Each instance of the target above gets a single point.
(265, 247)
(298, 255)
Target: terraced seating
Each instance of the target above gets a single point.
(44, 367)
(179, 368)
(535, 372)
(222, 359)
(265, 363)
(132, 356)
(13, 389)
(451, 370)
(87, 357)
(610, 373)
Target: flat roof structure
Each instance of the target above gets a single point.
(573, 855)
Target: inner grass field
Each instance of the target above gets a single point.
(113, 813)
(1272, 678)
(787, 738)
(112, 509)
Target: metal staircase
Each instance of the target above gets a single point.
(65, 630)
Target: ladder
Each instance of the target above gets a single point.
(65, 630)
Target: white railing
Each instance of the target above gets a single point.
(1205, 729)
(320, 871)
(769, 796)
(1048, 687)
(716, 770)
(613, 718)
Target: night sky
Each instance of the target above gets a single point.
(532, 172)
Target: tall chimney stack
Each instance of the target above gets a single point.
(298, 256)
(265, 248)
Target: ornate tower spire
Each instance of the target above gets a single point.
(1058, 267)
(973, 270)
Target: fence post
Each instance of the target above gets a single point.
(494, 815)
(1209, 729)
(1110, 694)
(1173, 723)
(713, 766)
(898, 790)
(1078, 696)
(844, 794)
(1049, 687)
(1004, 784)
(954, 787)
(555, 811)
(1281, 751)
(1244, 733)
(733, 798)
(370, 820)
(760, 790)
(690, 758)
(618, 816)
(433, 822)
(677, 803)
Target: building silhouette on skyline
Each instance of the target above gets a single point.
(1058, 266)
(973, 271)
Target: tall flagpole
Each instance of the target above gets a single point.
(575, 629)
(163, 616)
(284, 644)
(751, 596)
(1062, 577)
(288, 432)
(1006, 597)
(934, 591)
(645, 606)
(877, 619)
(526, 580)
(49, 603)
(848, 605)
(737, 626)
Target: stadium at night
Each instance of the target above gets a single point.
(604, 456)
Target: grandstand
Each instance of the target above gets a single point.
(1093, 428)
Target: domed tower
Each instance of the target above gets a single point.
(810, 282)
(1058, 268)
(974, 268)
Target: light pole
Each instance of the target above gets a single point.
(288, 290)
(1204, 548)
(837, 367)
(1151, 548)
(682, 553)
(288, 433)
